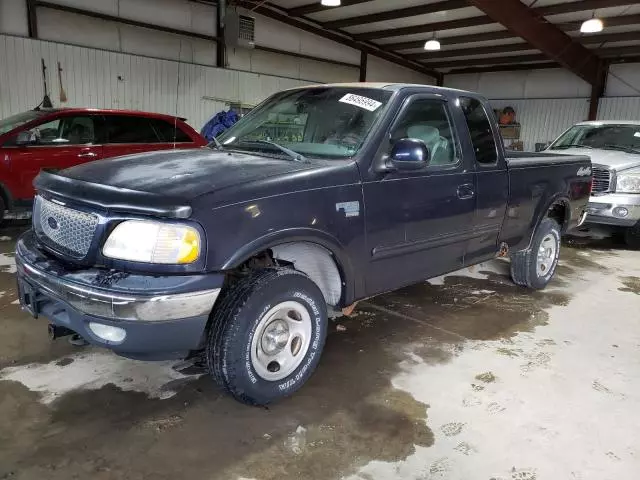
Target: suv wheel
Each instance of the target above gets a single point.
(632, 236)
(266, 335)
(535, 266)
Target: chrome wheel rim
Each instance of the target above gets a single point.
(281, 341)
(547, 253)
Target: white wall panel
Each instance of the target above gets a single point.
(103, 79)
(542, 120)
(13, 17)
(619, 108)
(551, 83)
(624, 80)
(379, 70)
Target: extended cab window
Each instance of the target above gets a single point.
(328, 122)
(484, 144)
(130, 129)
(427, 120)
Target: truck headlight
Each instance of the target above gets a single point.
(628, 182)
(153, 242)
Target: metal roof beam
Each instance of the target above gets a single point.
(519, 47)
(505, 34)
(396, 14)
(611, 52)
(316, 7)
(544, 36)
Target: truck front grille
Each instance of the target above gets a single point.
(62, 228)
(601, 180)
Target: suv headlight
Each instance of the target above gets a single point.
(153, 242)
(628, 182)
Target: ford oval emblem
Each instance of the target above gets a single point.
(53, 223)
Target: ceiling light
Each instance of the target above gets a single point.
(432, 44)
(593, 25)
(330, 3)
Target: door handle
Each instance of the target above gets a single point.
(466, 191)
(87, 155)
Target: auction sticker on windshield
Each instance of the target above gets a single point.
(362, 102)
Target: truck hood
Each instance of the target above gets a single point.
(184, 174)
(615, 159)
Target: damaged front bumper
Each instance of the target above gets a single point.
(139, 316)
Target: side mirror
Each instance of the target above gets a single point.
(25, 138)
(409, 154)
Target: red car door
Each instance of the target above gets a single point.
(127, 134)
(55, 144)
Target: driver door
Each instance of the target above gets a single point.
(418, 221)
(55, 145)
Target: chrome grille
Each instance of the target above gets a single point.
(64, 228)
(601, 180)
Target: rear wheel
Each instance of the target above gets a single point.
(267, 335)
(632, 236)
(535, 266)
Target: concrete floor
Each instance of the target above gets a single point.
(465, 377)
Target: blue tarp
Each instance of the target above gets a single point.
(218, 124)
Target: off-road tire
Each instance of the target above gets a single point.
(233, 325)
(632, 237)
(523, 263)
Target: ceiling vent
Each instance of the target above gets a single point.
(239, 30)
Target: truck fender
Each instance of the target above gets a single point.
(543, 209)
(314, 252)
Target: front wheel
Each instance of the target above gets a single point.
(266, 335)
(535, 266)
(632, 237)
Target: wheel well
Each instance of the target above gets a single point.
(560, 213)
(317, 262)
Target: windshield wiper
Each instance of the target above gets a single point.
(571, 145)
(297, 157)
(622, 148)
(215, 143)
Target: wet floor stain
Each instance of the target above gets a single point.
(631, 285)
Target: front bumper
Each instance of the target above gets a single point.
(137, 316)
(617, 209)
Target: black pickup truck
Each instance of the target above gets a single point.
(320, 197)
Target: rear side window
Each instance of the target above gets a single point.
(484, 143)
(168, 132)
(129, 129)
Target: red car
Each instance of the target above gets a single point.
(60, 138)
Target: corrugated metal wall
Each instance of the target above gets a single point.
(619, 108)
(102, 79)
(542, 120)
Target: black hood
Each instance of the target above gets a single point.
(183, 174)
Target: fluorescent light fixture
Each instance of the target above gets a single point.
(432, 44)
(593, 25)
(330, 3)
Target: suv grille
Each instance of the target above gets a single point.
(601, 180)
(62, 228)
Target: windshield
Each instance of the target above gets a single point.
(325, 122)
(606, 137)
(8, 124)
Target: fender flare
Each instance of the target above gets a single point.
(293, 235)
(542, 211)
